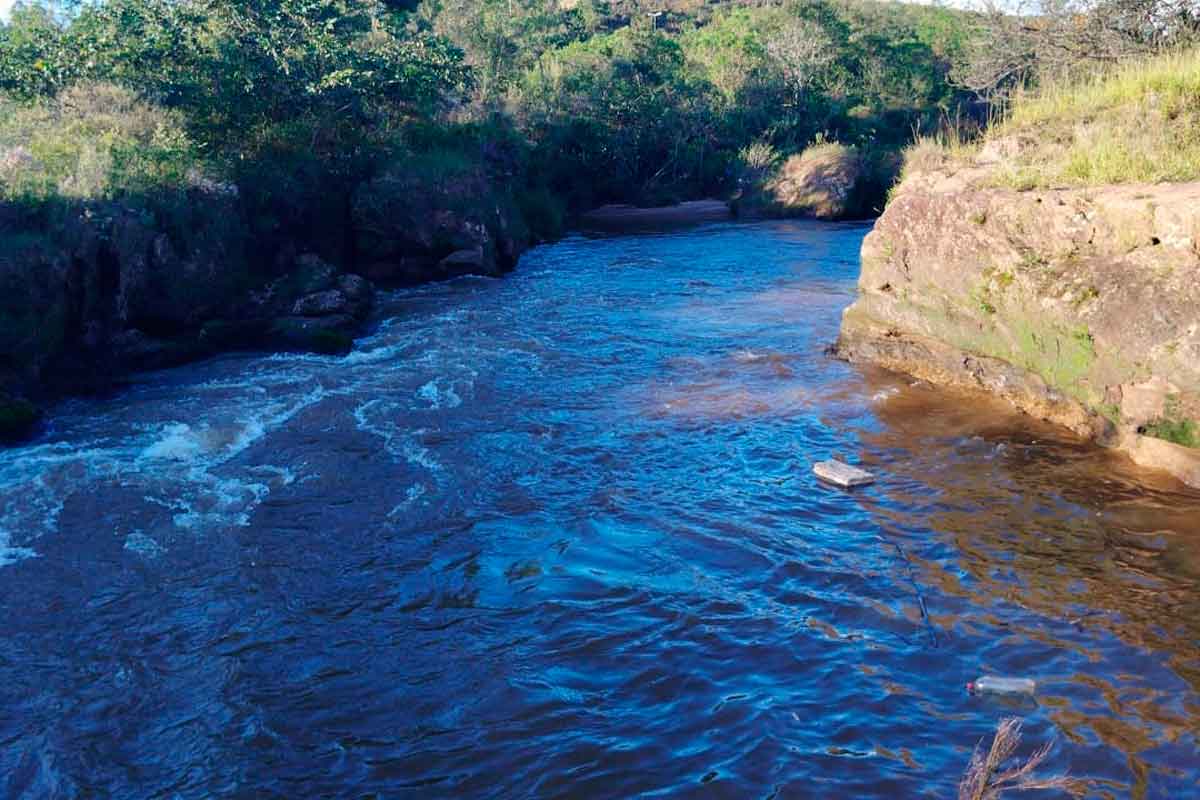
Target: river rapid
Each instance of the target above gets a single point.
(557, 535)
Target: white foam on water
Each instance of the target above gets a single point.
(884, 395)
(188, 468)
(202, 499)
(33, 491)
(748, 356)
(371, 352)
(227, 502)
(10, 554)
(141, 544)
(414, 493)
(418, 454)
(439, 394)
(378, 416)
(179, 442)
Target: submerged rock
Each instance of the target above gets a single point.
(1078, 306)
(329, 335)
(465, 262)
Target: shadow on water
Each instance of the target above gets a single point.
(558, 536)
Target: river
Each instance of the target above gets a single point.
(557, 535)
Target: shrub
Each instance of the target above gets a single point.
(93, 141)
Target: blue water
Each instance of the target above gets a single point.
(557, 535)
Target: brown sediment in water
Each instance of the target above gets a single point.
(738, 385)
(1034, 451)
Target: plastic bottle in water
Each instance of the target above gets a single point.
(990, 684)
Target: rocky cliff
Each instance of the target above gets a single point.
(92, 291)
(1080, 306)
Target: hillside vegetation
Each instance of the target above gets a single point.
(1134, 122)
(569, 104)
(184, 178)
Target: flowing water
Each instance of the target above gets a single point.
(557, 536)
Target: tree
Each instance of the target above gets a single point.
(36, 54)
(803, 52)
(1018, 45)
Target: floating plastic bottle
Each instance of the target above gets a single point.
(990, 684)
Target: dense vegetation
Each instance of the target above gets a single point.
(299, 102)
(1102, 93)
(1132, 122)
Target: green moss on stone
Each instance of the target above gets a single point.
(1174, 427)
(1110, 411)
(1180, 431)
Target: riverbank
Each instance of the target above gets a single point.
(633, 219)
(1068, 287)
(1078, 306)
(97, 291)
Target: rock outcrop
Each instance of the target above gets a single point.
(94, 290)
(99, 291)
(1081, 306)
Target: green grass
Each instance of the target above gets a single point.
(1183, 432)
(1136, 122)
(1174, 427)
(94, 141)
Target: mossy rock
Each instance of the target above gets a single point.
(18, 418)
(1183, 432)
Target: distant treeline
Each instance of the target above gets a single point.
(567, 103)
(572, 103)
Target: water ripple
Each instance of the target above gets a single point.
(557, 536)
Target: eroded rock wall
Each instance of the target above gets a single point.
(92, 291)
(1081, 306)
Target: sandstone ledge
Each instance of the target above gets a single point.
(1081, 307)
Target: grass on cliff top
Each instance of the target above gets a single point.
(1136, 122)
(94, 141)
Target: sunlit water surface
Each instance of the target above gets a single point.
(557, 535)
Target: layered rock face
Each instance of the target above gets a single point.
(1080, 306)
(103, 290)
(93, 291)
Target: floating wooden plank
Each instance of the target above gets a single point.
(842, 475)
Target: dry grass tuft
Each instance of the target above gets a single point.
(937, 153)
(985, 778)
